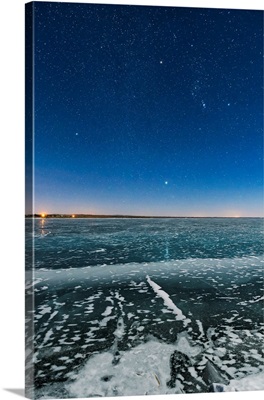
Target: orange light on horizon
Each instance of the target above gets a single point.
(43, 215)
(73, 215)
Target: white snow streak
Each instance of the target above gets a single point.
(107, 311)
(200, 326)
(167, 300)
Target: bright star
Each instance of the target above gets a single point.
(161, 62)
(76, 133)
(166, 182)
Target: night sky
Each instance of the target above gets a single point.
(148, 110)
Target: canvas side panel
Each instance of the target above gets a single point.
(29, 222)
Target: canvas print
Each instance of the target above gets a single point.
(144, 208)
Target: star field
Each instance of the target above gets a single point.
(148, 110)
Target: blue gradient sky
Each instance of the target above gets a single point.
(148, 110)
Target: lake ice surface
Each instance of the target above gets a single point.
(115, 299)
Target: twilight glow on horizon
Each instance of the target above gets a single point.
(148, 110)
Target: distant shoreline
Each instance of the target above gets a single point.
(97, 216)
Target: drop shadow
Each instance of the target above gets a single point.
(18, 392)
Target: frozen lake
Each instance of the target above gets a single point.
(155, 306)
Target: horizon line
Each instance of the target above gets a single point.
(83, 215)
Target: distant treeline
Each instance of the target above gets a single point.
(111, 216)
(90, 216)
